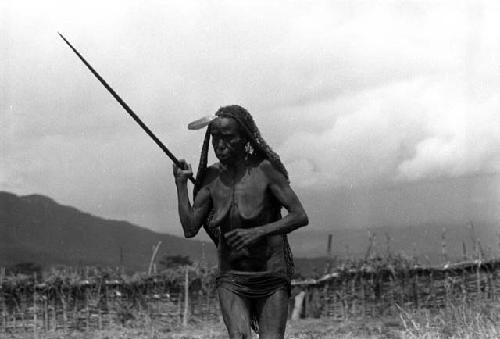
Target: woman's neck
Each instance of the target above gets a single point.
(234, 167)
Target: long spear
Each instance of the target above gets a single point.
(126, 107)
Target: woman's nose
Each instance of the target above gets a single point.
(219, 143)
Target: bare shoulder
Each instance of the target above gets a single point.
(271, 172)
(211, 173)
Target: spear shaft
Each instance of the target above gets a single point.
(126, 107)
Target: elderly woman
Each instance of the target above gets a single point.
(238, 201)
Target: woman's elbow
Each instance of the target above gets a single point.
(189, 230)
(303, 219)
(190, 233)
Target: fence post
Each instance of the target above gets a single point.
(153, 257)
(74, 314)
(447, 288)
(354, 295)
(64, 310)
(415, 290)
(363, 296)
(107, 306)
(179, 307)
(208, 313)
(478, 280)
(402, 293)
(373, 295)
(54, 316)
(345, 299)
(87, 306)
(4, 313)
(46, 313)
(431, 279)
(489, 294)
(35, 334)
(298, 302)
(328, 265)
(392, 281)
(494, 283)
(444, 251)
(186, 298)
(99, 321)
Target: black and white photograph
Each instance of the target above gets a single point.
(249, 169)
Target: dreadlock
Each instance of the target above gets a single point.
(261, 149)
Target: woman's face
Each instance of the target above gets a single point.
(228, 140)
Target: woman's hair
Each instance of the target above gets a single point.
(248, 126)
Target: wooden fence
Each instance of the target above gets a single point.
(90, 304)
(343, 294)
(367, 292)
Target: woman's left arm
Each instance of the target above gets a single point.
(296, 217)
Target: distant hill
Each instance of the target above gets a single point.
(35, 228)
(423, 241)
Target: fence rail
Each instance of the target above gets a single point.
(369, 292)
(97, 304)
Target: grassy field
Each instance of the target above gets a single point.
(458, 321)
(302, 329)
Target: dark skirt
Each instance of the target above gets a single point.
(253, 284)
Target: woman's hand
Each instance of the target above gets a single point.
(182, 174)
(243, 237)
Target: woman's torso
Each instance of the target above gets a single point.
(245, 201)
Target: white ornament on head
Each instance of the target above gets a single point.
(200, 123)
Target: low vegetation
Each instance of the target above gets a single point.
(456, 321)
(71, 304)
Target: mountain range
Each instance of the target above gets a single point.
(35, 228)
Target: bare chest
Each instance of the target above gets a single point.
(248, 194)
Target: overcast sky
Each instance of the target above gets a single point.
(370, 104)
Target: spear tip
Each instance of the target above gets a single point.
(62, 36)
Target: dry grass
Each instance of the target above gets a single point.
(477, 320)
(303, 329)
(480, 320)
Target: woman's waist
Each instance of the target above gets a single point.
(233, 221)
(250, 277)
(266, 254)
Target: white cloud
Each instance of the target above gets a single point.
(463, 139)
(405, 131)
(362, 146)
(349, 93)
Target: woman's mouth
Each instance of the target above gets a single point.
(222, 155)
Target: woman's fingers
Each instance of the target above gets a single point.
(238, 239)
(234, 241)
(183, 163)
(186, 173)
(188, 170)
(182, 169)
(232, 237)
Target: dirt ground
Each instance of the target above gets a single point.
(302, 329)
(480, 320)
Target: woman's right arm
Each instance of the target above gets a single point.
(191, 216)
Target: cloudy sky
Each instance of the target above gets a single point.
(384, 112)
